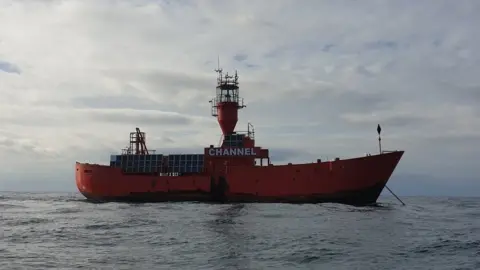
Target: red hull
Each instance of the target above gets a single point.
(356, 181)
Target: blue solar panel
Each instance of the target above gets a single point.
(177, 162)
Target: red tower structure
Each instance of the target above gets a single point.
(227, 102)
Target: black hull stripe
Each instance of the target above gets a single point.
(361, 197)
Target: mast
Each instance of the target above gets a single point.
(227, 101)
(138, 144)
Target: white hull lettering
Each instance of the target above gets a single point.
(232, 152)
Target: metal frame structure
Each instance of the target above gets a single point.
(227, 91)
(138, 144)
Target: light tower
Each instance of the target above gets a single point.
(227, 102)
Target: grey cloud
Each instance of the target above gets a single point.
(454, 142)
(328, 47)
(381, 44)
(175, 84)
(465, 94)
(115, 102)
(470, 93)
(13, 144)
(165, 139)
(7, 142)
(34, 118)
(179, 81)
(364, 71)
(240, 57)
(139, 118)
(320, 104)
(53, 117)
(357, 101)
(252, 65)
(9, 67)
(389, 120)
(405, 121)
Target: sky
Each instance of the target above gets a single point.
(317, 77)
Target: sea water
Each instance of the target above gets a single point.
(63, 231)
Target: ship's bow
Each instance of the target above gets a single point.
(377, 171)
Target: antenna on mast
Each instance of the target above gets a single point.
(219, 70)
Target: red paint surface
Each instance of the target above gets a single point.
(227, 116)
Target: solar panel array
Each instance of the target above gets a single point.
(186, 163)
(233, 140)
(158, 163)
(138, 163)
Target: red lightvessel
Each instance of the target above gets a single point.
(236, 171)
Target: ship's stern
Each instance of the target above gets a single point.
(84, 181)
